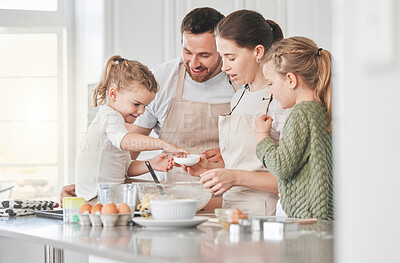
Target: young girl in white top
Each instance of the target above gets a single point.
(103, 157)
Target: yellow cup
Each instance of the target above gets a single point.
(71, 206)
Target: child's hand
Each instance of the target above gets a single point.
(262, 127)
(161, 162)
(172, 148)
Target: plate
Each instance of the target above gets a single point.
(178, 223)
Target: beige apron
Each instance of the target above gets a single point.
(191, 125)
(238, 148)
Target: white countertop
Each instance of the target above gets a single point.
(206, 243)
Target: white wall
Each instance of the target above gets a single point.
(366, 92)
(366, 46)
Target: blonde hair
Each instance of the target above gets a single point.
(302, 57)
(122, 73)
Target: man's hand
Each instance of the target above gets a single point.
(67, 191)
(198, 168)
(214, 156)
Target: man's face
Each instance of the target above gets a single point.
(200, 56)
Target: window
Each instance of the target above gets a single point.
(33, 81)
(38, 5)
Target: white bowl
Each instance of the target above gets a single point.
(173, 209)
(188, 160)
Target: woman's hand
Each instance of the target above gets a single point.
(218, 181)
(198, 168)
(162, 162)
(262, 127)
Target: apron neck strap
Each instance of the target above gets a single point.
(235, 86)
(181, 80)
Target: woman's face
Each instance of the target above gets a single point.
(279, 86)
(130, 102)
(239, 63)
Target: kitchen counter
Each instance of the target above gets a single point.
(206, 243)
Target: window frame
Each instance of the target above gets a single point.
(58, 22)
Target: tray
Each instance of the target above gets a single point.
(56, 214)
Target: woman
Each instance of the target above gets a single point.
(243, 37)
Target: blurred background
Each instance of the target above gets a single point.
(53, 51)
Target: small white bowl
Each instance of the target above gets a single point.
(173, 209)
(189, 160)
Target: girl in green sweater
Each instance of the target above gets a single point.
(299, 74)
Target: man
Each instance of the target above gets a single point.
(193, 93)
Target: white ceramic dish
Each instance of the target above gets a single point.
(173, 209)
(179, 223)
(191, 159)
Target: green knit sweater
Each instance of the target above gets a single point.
(302, 162)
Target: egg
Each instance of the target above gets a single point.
(109, 209)
(96, 209)
(123, 209)
(85, 209)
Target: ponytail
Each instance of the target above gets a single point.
(323, 89)
(277, 33)
(100, 92)
(122, 73)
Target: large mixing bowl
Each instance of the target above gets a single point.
(176, 190)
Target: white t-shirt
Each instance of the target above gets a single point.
(252, 104)
(215, 90)
(100, 159)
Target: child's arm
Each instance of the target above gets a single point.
(285, 159)
(162, 162)
(138, 142)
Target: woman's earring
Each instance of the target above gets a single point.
(258, 60)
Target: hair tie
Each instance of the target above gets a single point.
(319, 51)
(119, 61)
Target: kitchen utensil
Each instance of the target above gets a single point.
(154, 177)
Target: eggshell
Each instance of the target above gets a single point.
(85, 208)
(123, 209)
(109, 209)
(96, 208)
